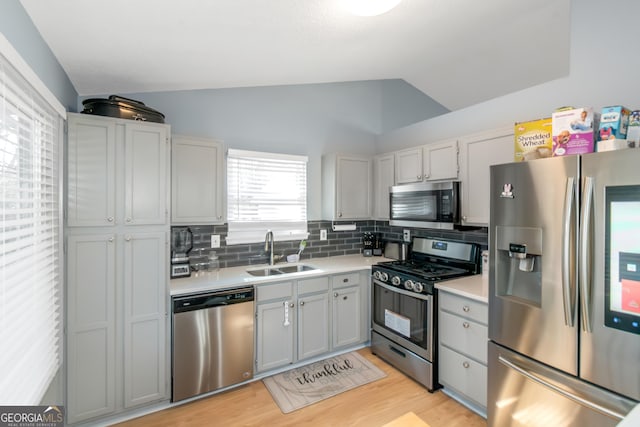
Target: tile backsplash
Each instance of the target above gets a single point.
(337, 243)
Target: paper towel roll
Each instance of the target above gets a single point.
(344, 227)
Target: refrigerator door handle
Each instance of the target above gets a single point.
(527, 373)
(585, 254)
(568, 251)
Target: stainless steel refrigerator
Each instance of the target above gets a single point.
(564, 291)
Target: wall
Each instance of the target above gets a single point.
(603, 71)
(306, 120)
(337, 243)
(17, 27)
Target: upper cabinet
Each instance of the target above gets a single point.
(117, 172)
(346, 187)
(432, 162)
(477, 154)
(197, 178)
(383, 178)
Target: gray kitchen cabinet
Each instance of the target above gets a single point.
(91, 326)
(463, 337)
(383, 178)
(349, 309)
(116, 279)
(477, 153)
(313, 317)
(298, 320)
(346, 187)
(116, 172)
(431, 162)
(275, 325)
(117, 249)
(197, 178)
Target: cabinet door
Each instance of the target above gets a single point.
(478, 153)
(383, 178)
(409, 165)
(146, 174)
(91, 172)
(145, 317)
(313, 325)
(353, 188)
(463, 374)
(347, 316)
(441, 161)
(274, 347)
(196, 181)
(91, 326)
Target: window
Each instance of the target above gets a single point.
(266, 191)
(30, 233)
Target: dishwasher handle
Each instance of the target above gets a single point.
(220, 298)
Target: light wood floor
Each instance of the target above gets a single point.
(371, 405)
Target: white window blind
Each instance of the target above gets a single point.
(30, 236)
(266, 191)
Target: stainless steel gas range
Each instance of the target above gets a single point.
(404, 312)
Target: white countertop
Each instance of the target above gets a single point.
(473, 287)
(203, 281)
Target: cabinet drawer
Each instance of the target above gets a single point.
(348, 279)
(463, 375)
(275, 291)
(463, 335)
(465, 307)
(317, 284)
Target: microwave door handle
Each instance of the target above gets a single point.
(585, 254)
(568, 254)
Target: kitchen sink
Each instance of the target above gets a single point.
(285, 269)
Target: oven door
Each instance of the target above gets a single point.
(404, 317)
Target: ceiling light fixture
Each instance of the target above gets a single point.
(370, 7)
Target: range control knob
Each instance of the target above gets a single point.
(377, 275)
(383, 276)
(418, 287)
(396, 280)
(408, 284)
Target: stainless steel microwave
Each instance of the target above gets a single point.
(425, 205)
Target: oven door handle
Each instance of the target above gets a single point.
(402, 291)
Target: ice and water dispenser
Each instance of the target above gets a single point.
(519, 263)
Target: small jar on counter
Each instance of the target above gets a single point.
(214, 262)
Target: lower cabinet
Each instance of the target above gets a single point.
(114, 365)
(462, 350)
(298, 320)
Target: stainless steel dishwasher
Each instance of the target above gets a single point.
(213, 340)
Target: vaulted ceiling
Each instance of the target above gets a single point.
(458, 52)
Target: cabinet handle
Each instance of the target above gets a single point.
(339, 214)
(465, 364)
(291, 304)
(465, 308)
(127, 239)
(345, 280)
(301, 303)
(419, 177)
(110, 219)
(465, 324)
(344, 298)
(219, 216)
(110, 239)
(427, 175)
(335, 294)
(464, 217)
(128, 219)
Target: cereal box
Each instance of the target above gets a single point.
(613, 123)
(633, 131)
(533, 140)
(573, 131)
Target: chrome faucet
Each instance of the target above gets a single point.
(268, 245)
